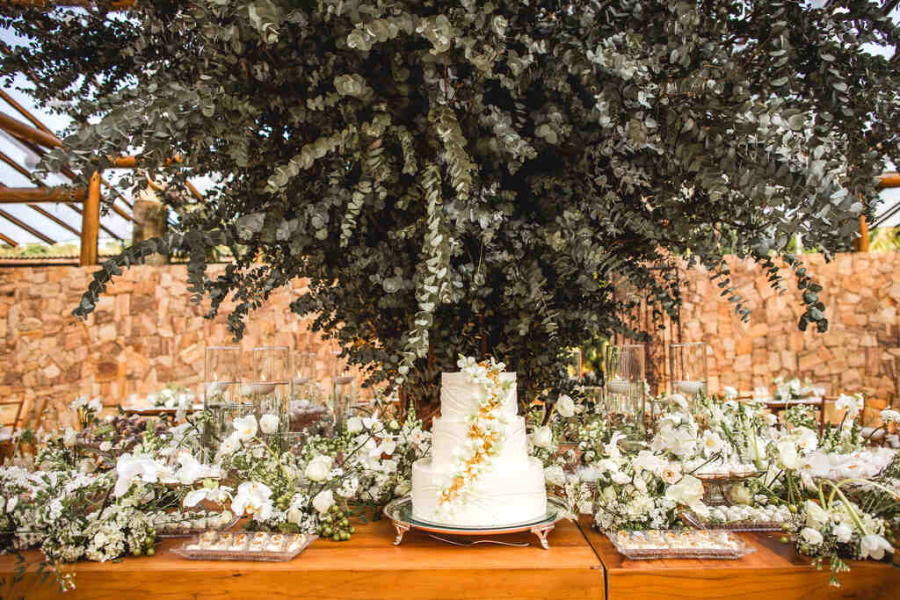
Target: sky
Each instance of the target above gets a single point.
(10, 178)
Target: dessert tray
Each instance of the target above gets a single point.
(269, 547)
(739, 518)
(400, 513)
(192, 523)
(689, 543)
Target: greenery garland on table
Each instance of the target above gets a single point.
(476, 177)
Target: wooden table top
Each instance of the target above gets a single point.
(774, 572)
(368, 567)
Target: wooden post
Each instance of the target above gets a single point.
(862, 244)
(90, 223)
(150, 220)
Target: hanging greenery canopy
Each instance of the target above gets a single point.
(475, 177)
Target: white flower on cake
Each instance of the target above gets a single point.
(484, 436)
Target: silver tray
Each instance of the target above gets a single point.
(244, 554)
(400, 513)
(724, 553)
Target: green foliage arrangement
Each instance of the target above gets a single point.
(475, 177)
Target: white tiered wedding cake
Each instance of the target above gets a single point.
(479, 474)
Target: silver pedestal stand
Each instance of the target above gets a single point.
(400, 513)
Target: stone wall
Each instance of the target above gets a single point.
(146, 333)
(858, 353)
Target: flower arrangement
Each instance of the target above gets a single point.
(98, 495)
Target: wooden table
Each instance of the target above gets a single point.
(367, 567)
(774, 572)
(581, 563)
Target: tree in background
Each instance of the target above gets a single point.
(475, 177)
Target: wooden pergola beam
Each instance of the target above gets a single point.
(90, 223)
(27, 132)
(40, 210)
(24, 112)
(9, 241)
(26, 227)
(889, 180)
(59, 194)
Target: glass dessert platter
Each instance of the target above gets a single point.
(400, 513)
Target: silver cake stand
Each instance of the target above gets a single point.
(400, 513)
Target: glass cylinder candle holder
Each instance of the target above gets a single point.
(687, 364)
(343, 393)
(625, 389)
(303, 380)
(574, 363)
(270, 389)
(222, 387)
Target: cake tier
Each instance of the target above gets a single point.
(448, 438)
(460, 397)
(506, 496)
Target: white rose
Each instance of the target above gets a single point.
(565, 406)
(105, 446)
(843, 533)
(815, 515)
(811, 536)
(319, 468)
(354, 425)
(787, 453)
(671, 473)
(542, 437)
(620, 478)
(555, 475)
(268, 423)
(294, 515)
(323, 501)
(874, 546)
(739, 494)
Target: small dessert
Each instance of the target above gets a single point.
(296, 542)
(276, 543)
(209, 536)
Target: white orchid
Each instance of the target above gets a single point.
(874, 546)
(253, 498)
(129, 468)
(191, 470)
(787, 454)
(852, 404)
(612, 448)
(246, 428)
(646, 460)
(712, 443)
(688, 491)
